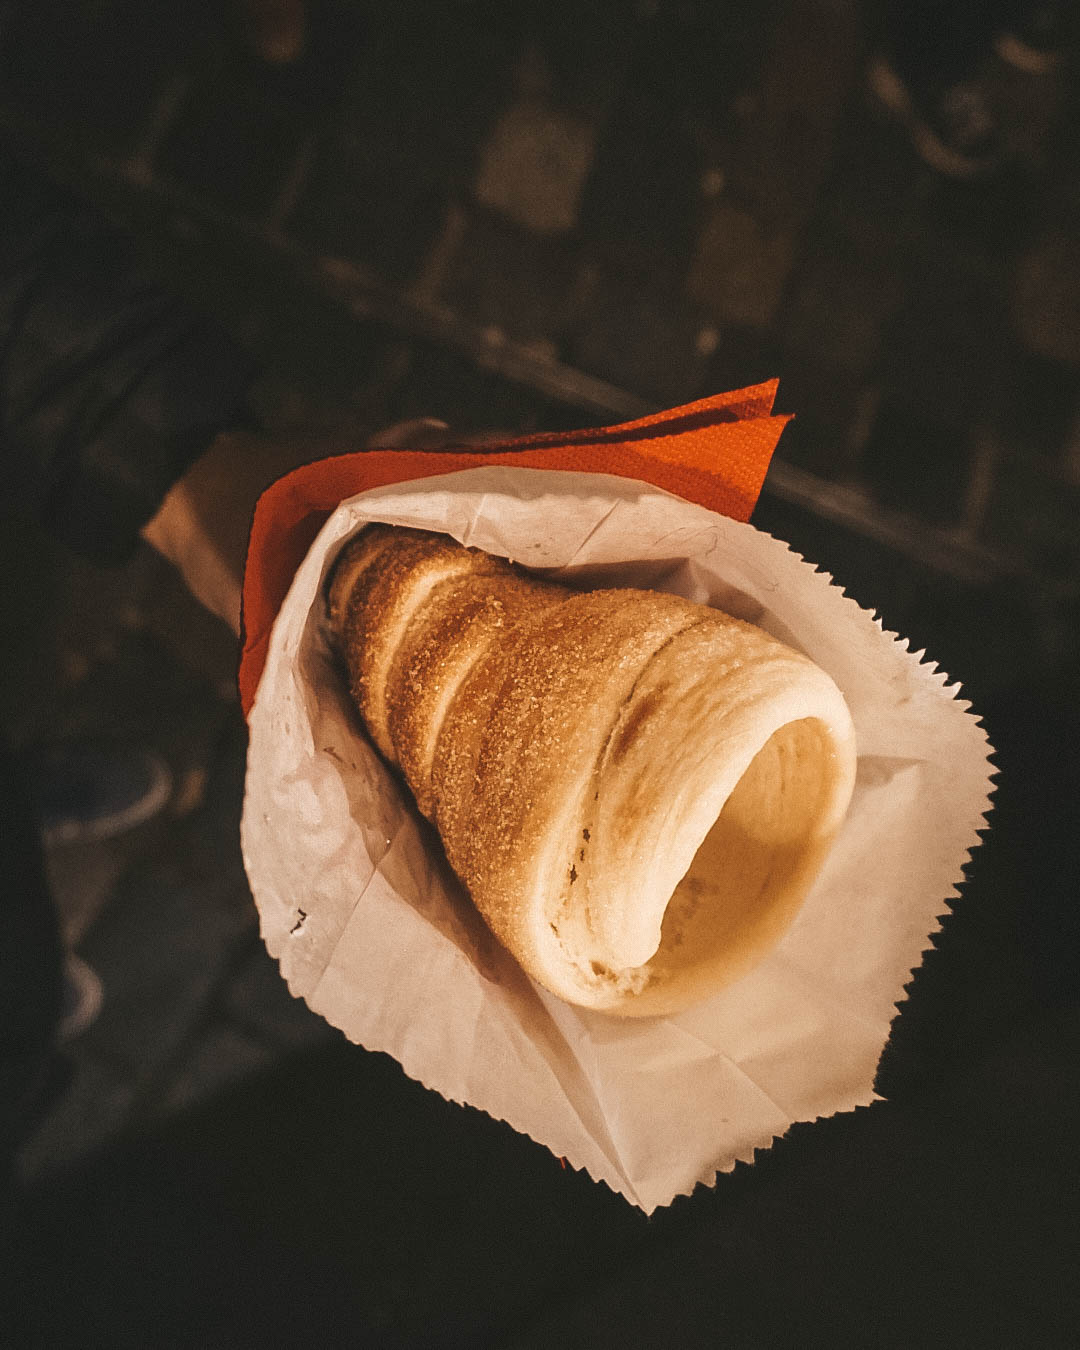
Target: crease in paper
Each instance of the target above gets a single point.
(391, 951)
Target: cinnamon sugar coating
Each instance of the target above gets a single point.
(637, 791)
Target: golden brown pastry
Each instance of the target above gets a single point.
(637, 791)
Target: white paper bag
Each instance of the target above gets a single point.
(372, 929)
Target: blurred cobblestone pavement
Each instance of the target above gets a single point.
(504, 217)
(484, 213)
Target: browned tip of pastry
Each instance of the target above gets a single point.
(382, 589)
(349, 568)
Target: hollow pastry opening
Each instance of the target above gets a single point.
(750, 873)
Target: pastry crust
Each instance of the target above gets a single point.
(637, 791)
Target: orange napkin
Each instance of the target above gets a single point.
(714, 452)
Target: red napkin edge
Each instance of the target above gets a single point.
(715, 452)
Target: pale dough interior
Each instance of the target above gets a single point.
(749, 877)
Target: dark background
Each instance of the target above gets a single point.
(532, 216)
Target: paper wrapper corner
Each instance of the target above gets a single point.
(373, 931)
